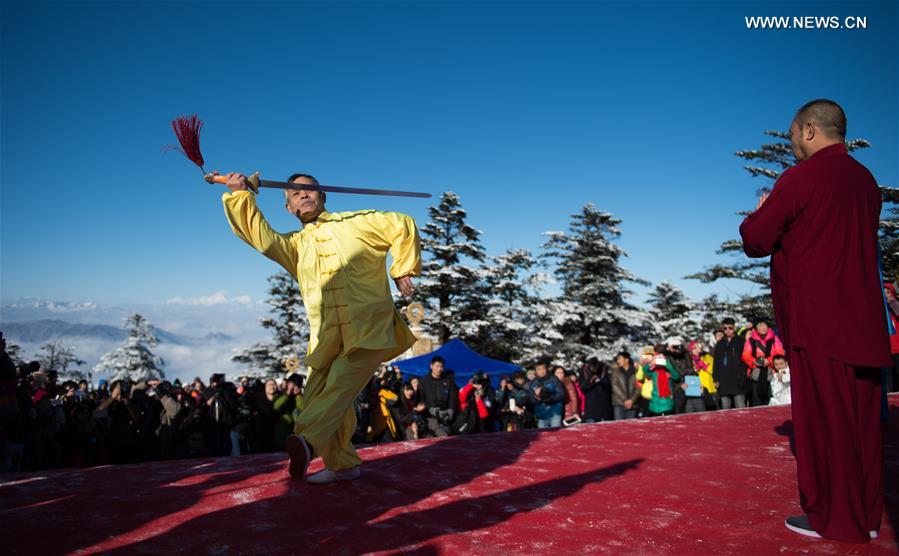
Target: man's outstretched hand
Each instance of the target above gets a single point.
(404, 284)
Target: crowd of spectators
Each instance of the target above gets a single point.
(46, 422)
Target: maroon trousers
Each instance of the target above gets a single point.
(839, 445)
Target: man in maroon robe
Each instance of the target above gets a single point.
(819, 225)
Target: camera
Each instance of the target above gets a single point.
(443, 416)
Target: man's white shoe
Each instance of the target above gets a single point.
(326, 476)
(873, 535)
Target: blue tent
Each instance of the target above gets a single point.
(461, 359)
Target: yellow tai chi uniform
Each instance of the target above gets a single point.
(339, 261)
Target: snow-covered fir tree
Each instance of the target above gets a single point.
(672, 314)
(547, 321)
(594, 287)
(289, 326)
(450, 285)
(54, 355)
(713, 310)
(889, 234)
(133, 360)
(767, 162)
(515, 307)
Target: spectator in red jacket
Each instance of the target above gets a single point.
(478, 387)
(889, 290)
(572, 401)
(758, 353)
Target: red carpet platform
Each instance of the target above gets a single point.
(713, 483)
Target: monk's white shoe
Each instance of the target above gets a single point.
(800, 525)
(326, 476)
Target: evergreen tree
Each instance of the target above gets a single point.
(55, 355)
(514, 303)
(673, 314)
(712, 311)
(548, 320)
(889, 234)
(768, 162)
(133, 360)
(593, 287)
(451, 286)
(289, 325)
(15, 353)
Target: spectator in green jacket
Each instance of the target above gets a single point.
(287, 409)
(658, 369)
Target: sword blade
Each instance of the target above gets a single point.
(339, 189)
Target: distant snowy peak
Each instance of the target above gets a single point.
(45, 330)
(51, 306)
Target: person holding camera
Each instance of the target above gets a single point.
(548, 397)
(474, 405)
(514, 402)
(286, 406)
(758, 351)
(663, 375)
(219, 402)
(170, 413)
(440, 395)
(120, 419)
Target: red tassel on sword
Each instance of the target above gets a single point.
(187, 130)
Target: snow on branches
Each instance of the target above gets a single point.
(133, 360)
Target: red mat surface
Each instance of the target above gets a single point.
(717, 482)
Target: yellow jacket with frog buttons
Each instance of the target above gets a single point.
(339, 261)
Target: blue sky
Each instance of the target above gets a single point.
(526, 110)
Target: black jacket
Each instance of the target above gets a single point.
(439, 393)
(729, 370)
(597, 391)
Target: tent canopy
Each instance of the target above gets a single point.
(462, 360)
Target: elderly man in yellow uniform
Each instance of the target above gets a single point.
(339, 261)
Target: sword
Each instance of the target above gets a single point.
(187, 130)
(255, 183)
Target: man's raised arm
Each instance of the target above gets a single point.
(249, 224)
(398, 233)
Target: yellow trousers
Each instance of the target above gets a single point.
(328, 420)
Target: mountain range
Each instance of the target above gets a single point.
(46, 330)
(194, 339)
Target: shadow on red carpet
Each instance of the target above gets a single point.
(717, 482)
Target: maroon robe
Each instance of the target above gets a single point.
(820, 227)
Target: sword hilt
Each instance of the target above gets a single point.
(252, 180)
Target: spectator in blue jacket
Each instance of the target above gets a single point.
(548, 397)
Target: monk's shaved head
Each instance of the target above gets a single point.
(826, 115)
